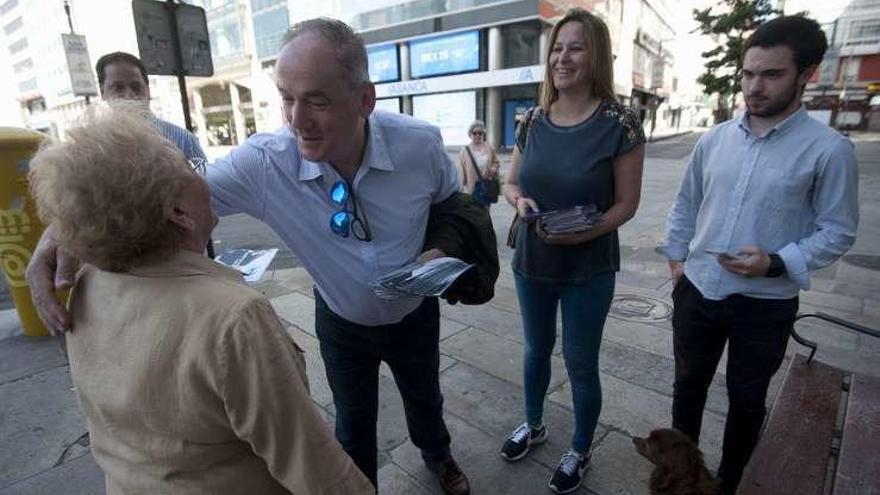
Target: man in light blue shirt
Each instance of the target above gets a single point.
(349, 191)
(765, 200)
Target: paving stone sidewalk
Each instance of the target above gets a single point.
(43, 448)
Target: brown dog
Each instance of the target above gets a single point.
(678, 464)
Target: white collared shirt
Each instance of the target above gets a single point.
(405, 170)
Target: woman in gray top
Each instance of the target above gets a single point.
(580, 147)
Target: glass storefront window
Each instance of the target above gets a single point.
(384, 63)
(18, 46)
(389, 105)
(451, 112)
(29, 85)
(13, 26)
(416, 9)
(8, 6)
(448, 54)
(258, 5)
(217, 4)
(226, 39)
(521, 45)
(269, 28)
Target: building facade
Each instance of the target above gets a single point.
(451, 62)
(234, 102)
(845, 91)
(38, 65)
(31, 36)
(444, 62)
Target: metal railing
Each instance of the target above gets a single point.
(831, 319)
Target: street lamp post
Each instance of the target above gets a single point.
(70, 24)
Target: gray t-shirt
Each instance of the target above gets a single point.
(568, 166)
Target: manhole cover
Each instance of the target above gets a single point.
(867, 261)
(640, 308)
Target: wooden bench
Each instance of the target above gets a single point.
(823, 432)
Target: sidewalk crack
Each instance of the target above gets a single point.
(83, 441)
(36, 372)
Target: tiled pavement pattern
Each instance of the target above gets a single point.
(43, 450)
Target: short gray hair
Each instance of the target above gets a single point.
(351, 54)
(477, 124)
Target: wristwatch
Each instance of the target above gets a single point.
(776, 268)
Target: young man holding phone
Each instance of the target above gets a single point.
(766, 199)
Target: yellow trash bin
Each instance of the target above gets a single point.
(20, 228)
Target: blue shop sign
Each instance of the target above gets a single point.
(383, 63)
(449, 54)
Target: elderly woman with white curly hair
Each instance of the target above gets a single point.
(187, 379)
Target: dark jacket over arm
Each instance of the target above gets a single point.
(462, 228)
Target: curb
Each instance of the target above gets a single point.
(669, 136)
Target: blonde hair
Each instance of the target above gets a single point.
(110, 189)
(600, 63)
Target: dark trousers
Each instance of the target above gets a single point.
(756, 331)
(352, 354)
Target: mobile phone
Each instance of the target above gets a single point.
(722, 254)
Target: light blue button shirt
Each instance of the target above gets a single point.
(793, 192)
(405, 170)
(182, 138)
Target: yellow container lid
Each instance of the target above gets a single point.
(16, 137)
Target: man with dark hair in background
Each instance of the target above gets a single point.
(122, 76)
(766, 199)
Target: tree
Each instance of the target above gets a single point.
(730, 22)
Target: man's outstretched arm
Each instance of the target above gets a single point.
(51, 268)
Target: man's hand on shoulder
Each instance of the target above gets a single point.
(751, 261)
(51, 268)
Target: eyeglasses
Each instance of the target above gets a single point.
(199, 165)
(347, 221)
(478, 133)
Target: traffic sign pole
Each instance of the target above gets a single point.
(178, 69)
(181, 82)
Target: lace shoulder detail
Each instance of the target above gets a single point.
(628, 119)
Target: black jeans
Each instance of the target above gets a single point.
(352, 354)
(756, 331)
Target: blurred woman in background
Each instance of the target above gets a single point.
(479, 166)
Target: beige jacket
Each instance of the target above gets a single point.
(469, 176)
(190, 385)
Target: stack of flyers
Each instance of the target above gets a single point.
(570, 220)
(427, 279)
(251, 263)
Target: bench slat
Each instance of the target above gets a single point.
(797, 438)
(858, 468)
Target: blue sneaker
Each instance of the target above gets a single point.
(518, 443)
(570, 472)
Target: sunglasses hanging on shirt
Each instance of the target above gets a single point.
(347, 221)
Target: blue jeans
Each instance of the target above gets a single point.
(584, 307)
